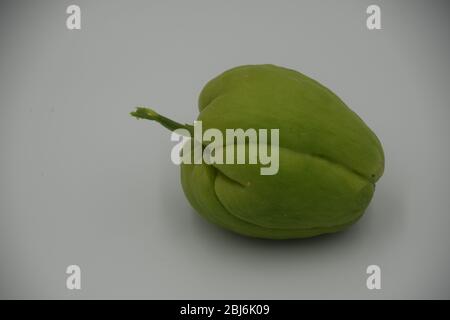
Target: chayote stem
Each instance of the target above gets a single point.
(149, 114)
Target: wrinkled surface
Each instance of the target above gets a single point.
(329, 159)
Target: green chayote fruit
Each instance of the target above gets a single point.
(329, 160)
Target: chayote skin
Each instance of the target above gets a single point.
(329, 160)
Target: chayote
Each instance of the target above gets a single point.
(329, 160)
